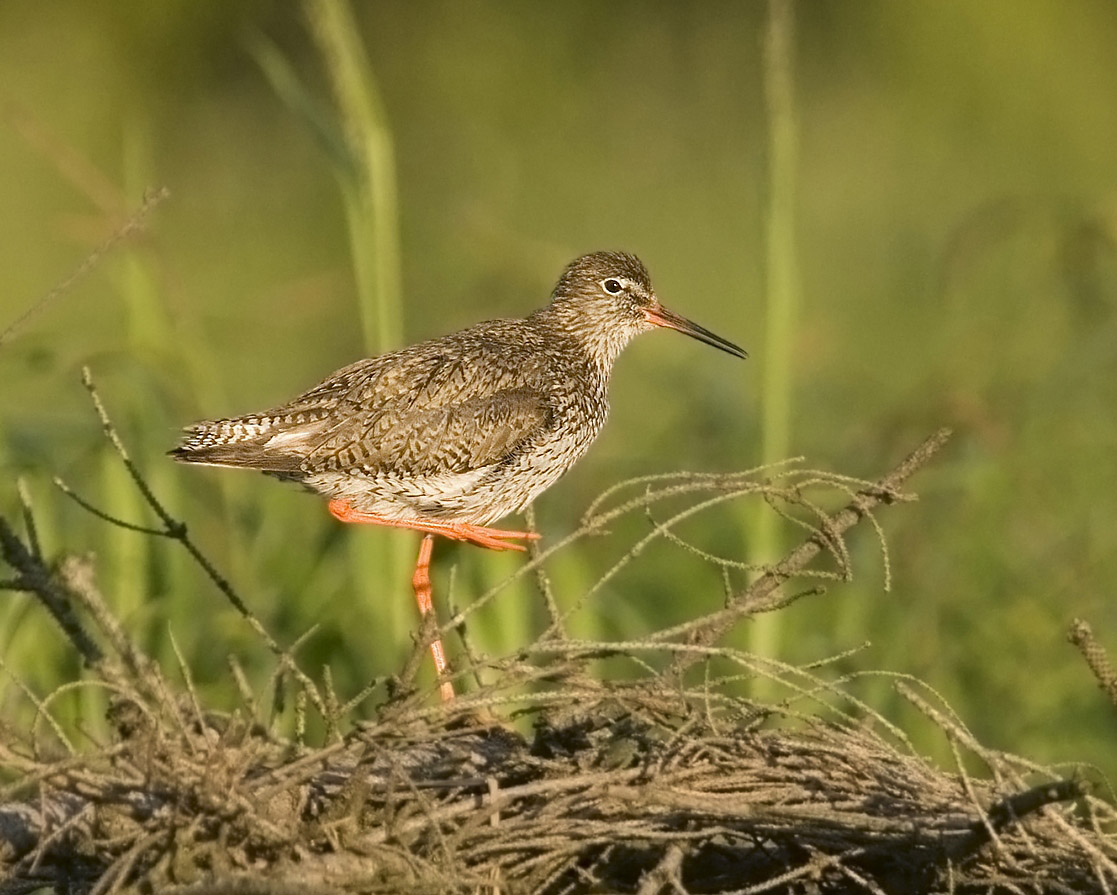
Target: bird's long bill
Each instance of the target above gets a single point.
(658, 315)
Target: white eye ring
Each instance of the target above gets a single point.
(612, 285)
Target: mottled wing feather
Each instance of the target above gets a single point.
(448, 437)
(450, 405)
(339, 386)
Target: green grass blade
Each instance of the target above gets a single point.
(782, 291)
(380, 561)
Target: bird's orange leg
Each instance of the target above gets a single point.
(421, 582)
(493, 538)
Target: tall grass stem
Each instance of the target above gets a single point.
(368, 187)
(782, 291)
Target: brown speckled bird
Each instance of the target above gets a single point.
(450, 435)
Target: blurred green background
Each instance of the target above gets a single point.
(955, 218)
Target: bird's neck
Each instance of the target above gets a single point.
(601, 340)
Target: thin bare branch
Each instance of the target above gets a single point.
(132, 225)
(36, 577)
(761, 595)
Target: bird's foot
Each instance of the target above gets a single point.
(492, 538)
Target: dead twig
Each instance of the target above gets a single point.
(761, 595)
(131, 225)
(176, 531)
(34, 576)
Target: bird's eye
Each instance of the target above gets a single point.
(611, 286)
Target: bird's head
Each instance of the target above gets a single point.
(607, 298)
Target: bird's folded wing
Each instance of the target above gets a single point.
(417, 438)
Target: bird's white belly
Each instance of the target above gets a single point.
(478, 496)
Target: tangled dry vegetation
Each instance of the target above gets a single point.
(666, 783)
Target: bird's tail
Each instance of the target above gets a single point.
(248, 442)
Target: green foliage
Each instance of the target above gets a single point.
(955, 252)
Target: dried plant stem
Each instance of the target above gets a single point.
(34, 576)
(542, 581)
(176, 531)
(762, 595)
(1082, 636)
(133, 224)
